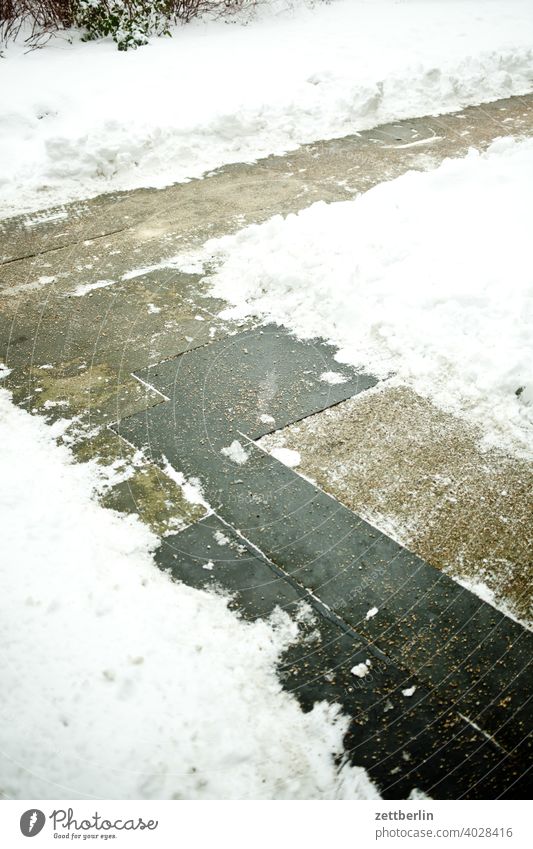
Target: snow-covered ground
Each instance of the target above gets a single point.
(80, 119)
(428, 277)
(118, 683)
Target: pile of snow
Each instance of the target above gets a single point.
(79, 119)
(118, 683)
(428, 276)
(361, 669)
(235, 452)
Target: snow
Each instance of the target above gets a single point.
(478, 586)
(85, 288)
(361, 669)
(428, 277)
(100, 120)
(45, 218)
(333, 377)
(220, 538)
(118, 682)
(191, 488)
(235, 452)
(287, 456)
(417, 795)
(50, 405)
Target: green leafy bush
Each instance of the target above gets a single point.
(128, 22)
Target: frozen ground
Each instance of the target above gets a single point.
(427, 277)
(217, 92)
(118, 683)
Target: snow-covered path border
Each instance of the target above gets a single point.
(99, 120)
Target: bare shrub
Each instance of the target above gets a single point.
(40, 17)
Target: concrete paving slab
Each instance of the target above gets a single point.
(250, 383)
(403, 743)
(93, 341)
(210, 555)
(150, 223)
(421, 476)
(428, 624)
(74, 325)
(136, 486)
(73, 356)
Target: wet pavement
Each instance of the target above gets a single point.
(451, 651)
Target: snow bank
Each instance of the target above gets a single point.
(428, 276)
(117, 683)
(80, 119)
